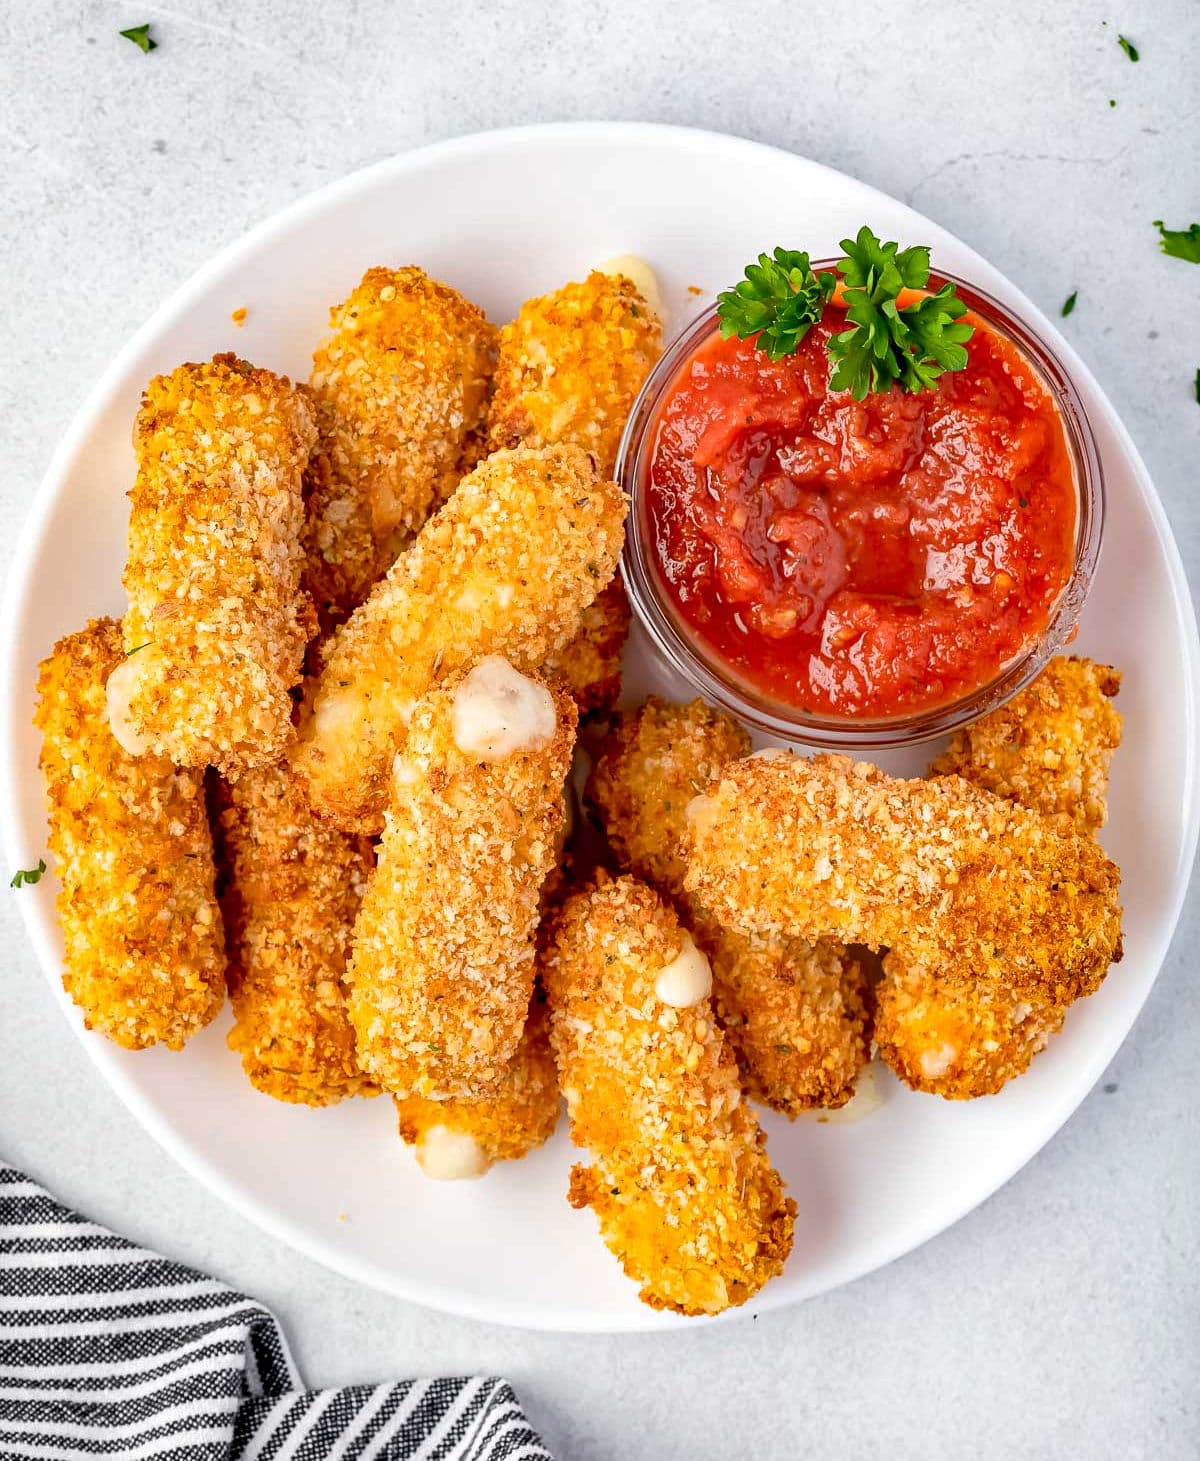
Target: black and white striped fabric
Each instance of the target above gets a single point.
(106, 1349)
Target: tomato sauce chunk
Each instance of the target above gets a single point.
(861, 559)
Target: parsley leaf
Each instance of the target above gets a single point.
(779, 300)
(28, 875)
(1069, 303)
(1180, 243)
(141, 37)
(910, 346)
(1128, 47)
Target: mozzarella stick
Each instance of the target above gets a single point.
(398, 387)
(680, 1180)
(794, 1012)
(458, 1139)
(217, 624)
(293, 885)
(443, 954)
(506, 567)
(144, 956)
(1050, 747)
(571, 365)
(943, 1029)
(936, 871)
(590, 665)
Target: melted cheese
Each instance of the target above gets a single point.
(687, 979)
(634, 268)
(498, 711)
(451, 1156)
(118, 693)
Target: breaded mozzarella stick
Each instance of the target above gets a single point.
(443, 953)
(217, 624)
(945, 1030)
(680, 1180)
(794, 1012)
(397, 388)
(590, 665)
(294, 886)
(506, 567)
(571, 365)
(934, 870)
(144, 955)
(458, 1139)
(1050, 747)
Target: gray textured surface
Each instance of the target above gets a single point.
(1062, 1318)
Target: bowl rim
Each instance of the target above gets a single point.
(707, 671)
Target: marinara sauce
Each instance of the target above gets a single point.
(861, 559)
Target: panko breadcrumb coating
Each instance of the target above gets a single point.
(217, 623)
(794, 1012)
(591, 663)
(1049, 748)
(947, 1030)
(144, 956)
(571, 365)
(937, 871)
(680, 1180)
(458, 1138)
(397, 388)
(951, 1035)
(506, 567)
(293, 885)
(443, 953)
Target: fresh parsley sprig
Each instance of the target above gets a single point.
(886, 344)
(779, 300)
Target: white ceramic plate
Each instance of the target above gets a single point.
(504, 216)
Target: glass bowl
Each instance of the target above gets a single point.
(718, 683)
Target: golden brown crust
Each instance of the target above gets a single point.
(956, 1036)
(1049, 748)
(144, 957)
(443, 960)
(937, 871)
(680, 1180)
(506, 567)
(652, 763)
(397, 388)
(293, 886)
(590, 665)
(947, 1030)
(216, 614)
(571, 365)
(795, 1012)
(519, 1115)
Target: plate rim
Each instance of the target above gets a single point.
(414, 1289)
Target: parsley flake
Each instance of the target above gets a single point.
(1128, 47)
(27, 876)
(1069, 303)
(1180, 243)
(1198, 385)
(141, 37)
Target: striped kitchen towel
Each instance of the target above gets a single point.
(106, 1349)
